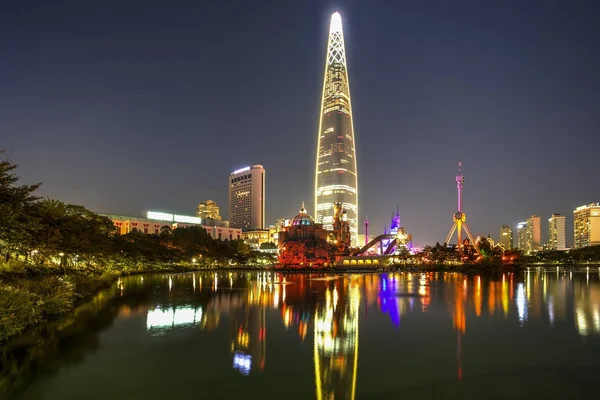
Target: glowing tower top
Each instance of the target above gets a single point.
(335, 171)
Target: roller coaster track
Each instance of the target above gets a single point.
(378, 239)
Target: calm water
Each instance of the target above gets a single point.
(271, 336)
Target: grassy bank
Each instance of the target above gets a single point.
(31, 294)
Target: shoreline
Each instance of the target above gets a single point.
(30, 296)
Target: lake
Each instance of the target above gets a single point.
(267, 335)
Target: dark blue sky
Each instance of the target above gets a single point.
(124, 106)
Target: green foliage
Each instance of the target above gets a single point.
(18, 310)
(26, 300)
(268, 246)
(54, 295)
(17, 220)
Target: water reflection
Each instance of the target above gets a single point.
(159, 320)
(332, 305)
(251, 312)
(336, 342)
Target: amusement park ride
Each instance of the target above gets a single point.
(460, 218)
(390, 243)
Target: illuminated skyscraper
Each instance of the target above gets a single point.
(587, 225)
(556, 232)
(506, 237)
(534, 234)
(247, 198)
(335, 172)
(522, 236)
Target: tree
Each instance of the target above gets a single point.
(72, 231)
(17, 223)
(268, 246)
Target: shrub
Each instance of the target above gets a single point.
(18, 310)
(54, 295)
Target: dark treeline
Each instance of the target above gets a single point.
(42, 231)
(495, 255)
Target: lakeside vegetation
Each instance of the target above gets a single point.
(54, 255)
(493, 255)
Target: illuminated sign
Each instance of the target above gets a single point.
(241, 170)
(160, 216)
(186, 219)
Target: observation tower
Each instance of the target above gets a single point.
(460, 218)
(335, 170)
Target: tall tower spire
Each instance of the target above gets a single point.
(335, 170)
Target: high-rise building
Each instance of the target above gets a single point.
(556, 232)
(534, 234)
(506, 237)
(522, 236)
(208, 210)
(587, 225)
(335, 172)
(247, 198)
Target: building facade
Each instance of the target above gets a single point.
(335, 171)
(506, 237)
(155, 221)
(247, 198)
(302, 242)
(586, 221)
(522, 236)
(208, 210)
(125, 224)
(556, 232)
(254, 238)
(534, 234)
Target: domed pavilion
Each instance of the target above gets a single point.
(302, 226)
(303, 218)
(301, 239)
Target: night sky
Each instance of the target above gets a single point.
(125, 106)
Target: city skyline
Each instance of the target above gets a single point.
(93, 96)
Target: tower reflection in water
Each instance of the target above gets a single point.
(336, 342)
